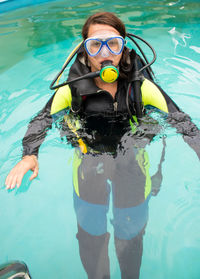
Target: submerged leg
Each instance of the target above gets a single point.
(94, 254)
(129, 254)
(91, 204)
(129, 226)
(93, 238)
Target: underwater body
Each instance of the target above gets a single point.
(178, 196)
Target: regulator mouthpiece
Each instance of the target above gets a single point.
(108, 73)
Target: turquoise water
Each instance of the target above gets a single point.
(38, 223)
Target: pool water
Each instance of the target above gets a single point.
(38, 223)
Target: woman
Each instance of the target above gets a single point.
(111, 158)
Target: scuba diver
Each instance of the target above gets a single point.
(104, 109)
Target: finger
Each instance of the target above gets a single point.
(35, 173)
(9, 181)
(14, 182)
(8, 185)
(19, 180)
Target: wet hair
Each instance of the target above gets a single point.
(107, 18)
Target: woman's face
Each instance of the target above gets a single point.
(99, 31)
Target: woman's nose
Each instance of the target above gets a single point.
(104, 51)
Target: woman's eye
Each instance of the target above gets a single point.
(95, 44)
(113, 42)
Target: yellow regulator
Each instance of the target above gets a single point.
(109, 73)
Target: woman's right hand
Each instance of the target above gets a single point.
(14, 178)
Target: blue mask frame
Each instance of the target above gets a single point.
(104, 42)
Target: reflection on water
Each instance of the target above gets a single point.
(178, 38)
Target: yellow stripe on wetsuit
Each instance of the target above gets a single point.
(143, 162)
(73, 127)
(76, 163)
(151, 95)
(62, 99)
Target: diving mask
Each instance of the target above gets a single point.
(112, 44)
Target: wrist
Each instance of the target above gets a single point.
(32, 156)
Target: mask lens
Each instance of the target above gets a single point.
(93, 46)
(115, 45)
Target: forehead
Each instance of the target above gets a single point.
(101, 29)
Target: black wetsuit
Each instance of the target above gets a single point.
(116, 164)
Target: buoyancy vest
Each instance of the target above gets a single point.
(105, 115)
(85, 97)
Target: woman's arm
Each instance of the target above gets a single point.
(183, 124)
(35, 135)
(37, 130)
(153, 95)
